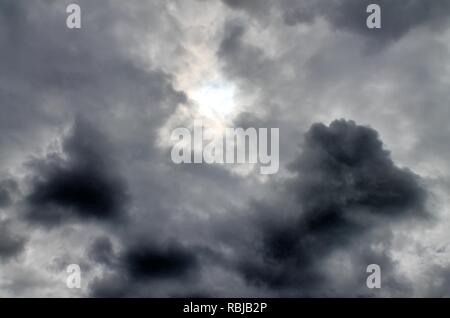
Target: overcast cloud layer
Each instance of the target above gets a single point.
(86, 176)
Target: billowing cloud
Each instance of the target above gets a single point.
(86, 170)
(344, 167)
(345, 186)
(80, 182)
(139, 266)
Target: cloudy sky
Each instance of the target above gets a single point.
(85, 170)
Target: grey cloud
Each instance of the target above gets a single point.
(88, 71)
(344, 194)
(139, 266)
(345, 165)
(7, 188)
(345, 186)
(147, 262)
(398, 17)
(91, 72)
(254, 7)
(5, 199)
(315, 75)
(84, 184)
(240, 56)
(304, 75)
(11, 244)
(102, 251)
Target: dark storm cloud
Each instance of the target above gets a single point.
(84, 184)
(345, 186)
(145, 261)
(138, 264)
(345, 166)
(398, 17)
(11, 244)
(152, 262)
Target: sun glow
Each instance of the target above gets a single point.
(215, 101)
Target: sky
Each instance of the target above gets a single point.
(86, 175)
